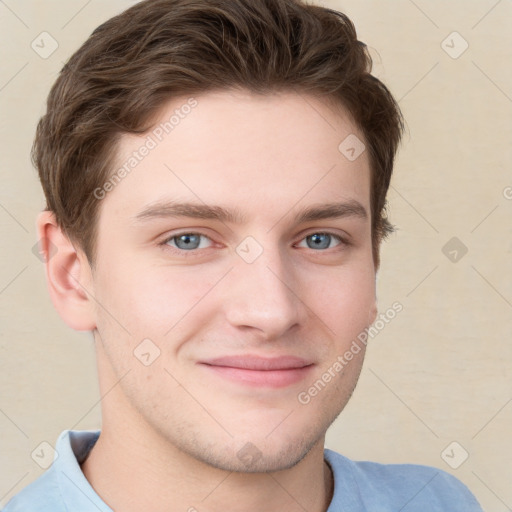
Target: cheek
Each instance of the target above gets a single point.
(149, 300)
(345, 301)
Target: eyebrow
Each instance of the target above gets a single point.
(351, 208)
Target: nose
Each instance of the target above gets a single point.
(260, 296)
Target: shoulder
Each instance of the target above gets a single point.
(63, 485)
(407, 487)
(41, 495)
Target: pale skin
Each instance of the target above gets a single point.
(172, 430)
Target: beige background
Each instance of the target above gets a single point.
(441, 370)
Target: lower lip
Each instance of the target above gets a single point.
(265, 378)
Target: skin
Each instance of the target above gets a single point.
(172, 429)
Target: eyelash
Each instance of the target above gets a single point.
(196, 252)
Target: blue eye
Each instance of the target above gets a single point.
(190, 242)
(321, 240)
(187, 241)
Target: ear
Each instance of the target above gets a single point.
(372, 313)
(68, 274)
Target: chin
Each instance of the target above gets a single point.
(254, 453)
(251, 459)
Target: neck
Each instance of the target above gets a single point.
(132, 468)
(161, 478)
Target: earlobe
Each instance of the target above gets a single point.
(68, 274)
(372, 313)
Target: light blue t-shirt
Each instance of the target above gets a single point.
(358, 486)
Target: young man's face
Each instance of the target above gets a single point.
(258, 284)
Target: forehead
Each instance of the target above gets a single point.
(260, 154)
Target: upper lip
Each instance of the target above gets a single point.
(252, 362)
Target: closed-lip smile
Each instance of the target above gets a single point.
(260, 371)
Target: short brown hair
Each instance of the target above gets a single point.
(156, 50)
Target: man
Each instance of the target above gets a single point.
(216, 175)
